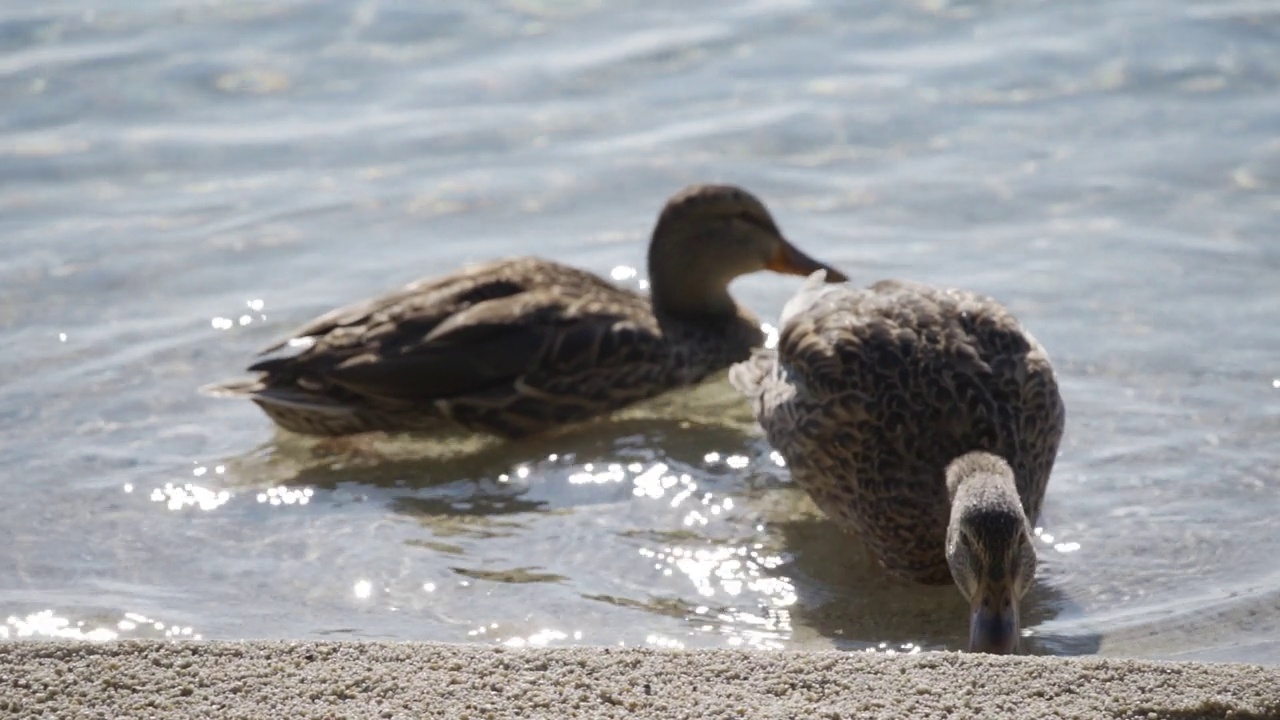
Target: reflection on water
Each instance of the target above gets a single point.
(709, 547)
(178, 189)
(721, 575)
(47, 625)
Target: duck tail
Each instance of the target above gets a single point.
(241, 387)
(814, 287)
(751, 375)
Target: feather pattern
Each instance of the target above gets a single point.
(872, 392)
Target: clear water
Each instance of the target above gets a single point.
(181, 182)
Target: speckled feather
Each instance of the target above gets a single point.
(872, 392)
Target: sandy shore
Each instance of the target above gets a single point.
(419, 680)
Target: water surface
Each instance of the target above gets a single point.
(182, 182)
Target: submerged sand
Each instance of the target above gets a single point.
(215, 680)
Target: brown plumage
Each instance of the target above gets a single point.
(874, 395)
(519, 346)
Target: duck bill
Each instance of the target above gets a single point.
(993, 625)
(790, 260)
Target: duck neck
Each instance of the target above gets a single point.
(689, 292)
(689, 302)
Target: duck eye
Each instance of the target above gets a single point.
(756, 221)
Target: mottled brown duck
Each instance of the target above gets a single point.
(519, 346)
(923, 421)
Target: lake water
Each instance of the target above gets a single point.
(181, 182)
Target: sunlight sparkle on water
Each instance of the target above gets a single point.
(521, 472)
(725, 570)
(737, 462)
(283, 495)
(363, 589)
(903, 649)
(664, 642)
(542, 638)
(47, 625)
(226, 323)
(655, 482)
(686, 492)
(613, 473)
(765, 630)
(189, 495)
(695, 518)
(1048, 539)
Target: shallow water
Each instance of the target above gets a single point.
(182, 182)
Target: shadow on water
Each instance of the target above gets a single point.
(678, 426)
(845, 596)
(443, 460)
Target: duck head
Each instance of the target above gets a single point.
(989, 549)
(708, 235)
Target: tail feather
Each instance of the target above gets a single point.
(751, 375)
(281, 397)
(754, 376)
(241, 387)
(815, 287)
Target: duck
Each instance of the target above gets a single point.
(925, 422)
(523, 345)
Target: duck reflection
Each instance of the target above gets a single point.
(843, 595)
(767, 570)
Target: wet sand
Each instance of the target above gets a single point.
(225, 680)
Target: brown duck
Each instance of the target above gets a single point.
(923, 421)
(519, 346)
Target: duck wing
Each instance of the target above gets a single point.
(445, 338)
